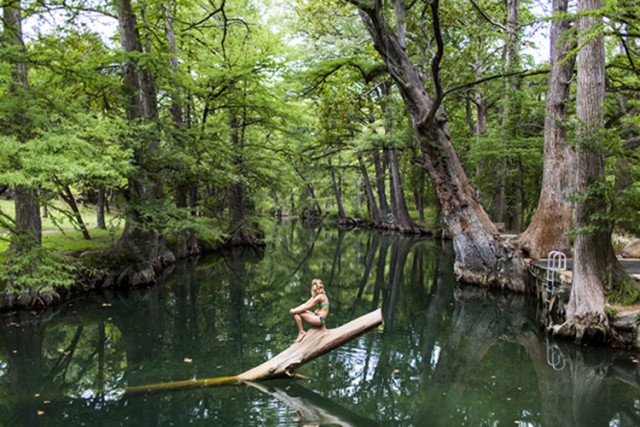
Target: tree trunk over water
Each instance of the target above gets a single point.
(317, 342)
(379, 167)
(549, 229)
(371, 199)
(595, 263)
(403, 221)
(239, 230)
(342, 215)
(140, 236)
(482, 256)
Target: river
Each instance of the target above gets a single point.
(446, 355)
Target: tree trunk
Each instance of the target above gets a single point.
(381, 187)
(371, 200)
(140, 235)
(316, 343)
(28, 231)
(318, 209)
(237, 220)
(549, 229)
(595, 263)
(342, 215)
(182, 188)
(482, 256)
(419, 198)
(68, 197)
(505, 199)
(28, 222)
(100, 217)
(403, 221)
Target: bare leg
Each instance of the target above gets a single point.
(308, 317)
(301, 332)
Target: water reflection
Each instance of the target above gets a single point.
(447, 355)
(312, 408)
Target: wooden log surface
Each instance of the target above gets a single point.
(318, 341)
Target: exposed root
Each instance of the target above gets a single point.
(591, 330)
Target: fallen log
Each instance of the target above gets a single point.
(318, 341)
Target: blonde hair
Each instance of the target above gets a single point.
(317, 287)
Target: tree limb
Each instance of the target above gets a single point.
(317, 342)
(523, 73)
(435, 63)
(487, 18)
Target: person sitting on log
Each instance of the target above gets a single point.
(314, 311)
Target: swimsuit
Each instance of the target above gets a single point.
(317, 307)
(322, 319)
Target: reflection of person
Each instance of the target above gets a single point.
(314, 311)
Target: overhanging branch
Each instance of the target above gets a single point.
(524, 73)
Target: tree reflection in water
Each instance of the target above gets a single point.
(447, 354)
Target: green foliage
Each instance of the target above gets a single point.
(626, 292)
(37, 270)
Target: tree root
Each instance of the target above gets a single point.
(591, 330)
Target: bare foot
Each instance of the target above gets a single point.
(301, 336)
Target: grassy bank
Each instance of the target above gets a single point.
(58, 232)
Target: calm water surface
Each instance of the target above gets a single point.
(446, 355)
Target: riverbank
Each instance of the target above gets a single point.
(551, 283)
(96, 264)
(100, 266)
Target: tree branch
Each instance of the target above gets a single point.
(487, 18)
(206, 18)
(524, 73)
(435, 63)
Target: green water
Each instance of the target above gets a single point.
(446, 355)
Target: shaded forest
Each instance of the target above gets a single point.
(508, 129)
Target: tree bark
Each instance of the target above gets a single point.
(482, 256)
(68, 197)
(595, 263)
(27, 216)
(505, 200)
(549, 229)
(316, 343)
(237, 219)
(342, 215)
(144, 188)
(100, 217)
(371, 200)
(28, 232)
(403, 221)
(379, 166)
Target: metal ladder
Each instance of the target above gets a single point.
(556, 260)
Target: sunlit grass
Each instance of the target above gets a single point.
(68, 239)
(56, 219)
(72, 241)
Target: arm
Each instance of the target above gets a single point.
(306, 306)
